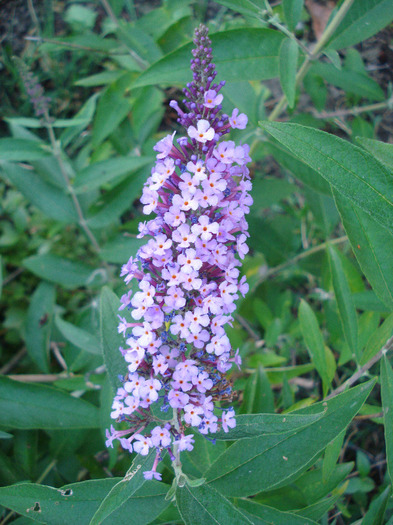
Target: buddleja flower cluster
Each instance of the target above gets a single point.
(177, 351)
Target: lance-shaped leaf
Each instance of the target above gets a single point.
(317, 510)
(108, 171)
(22, 150)
(110, 338)
(257, 395)
(203, 505)
(79, 337)
(292, 12)
(353, 172)
(125, 489)
(249, 54)
(332, 454)
(372, 246)
(38, 324)
(246, 7)
(289, 53)
(363, 19)
(381, 150)
(378, 339)
(49, 199)
(36, 406)
(298, 168)
(77, 502)
(344, 300)
(264, 515)
(376, 512)
(252, 425)
(314, 341)
(282, 458)
(67, 273)
(197, 461)
(387, 403)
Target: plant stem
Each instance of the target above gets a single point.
(353, 111)
(37, 378)
(359, 373)
(71, 45)
(176, 463)
(329, 31)
(297, 258)
(51, 465)
(57, 154)
(13, 361)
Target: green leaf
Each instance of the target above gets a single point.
(284, 457)
(157, 21)
(79, 337)
(258, 396)
(264, 515)
(314, 341)
(267, 192)
(334, 58)
(292, 12)
(332, 454)
(381, 150)
(317, 510)
(39, 123)
(203, 505)
(371, 244)
(324, 211)
(80, 121)
(36, 406)
(38, 324)
(246, 7)
(344, 300)
(112, 108)
(353, 172)
(22, 150)
(49, 199)
(252, 55)
(387, 404)
(110, 338)
(362, 20)
(276, 375)
(247, 97)
(119, 249)
(289, 53)
(117, 201)
(378, 340)
(100, 79)
(315, 86)
(77, 502)
(124, 489)
(108, 171)
(252, 425)
(69, 274)
(376, 512)
(298, 168)
(139, 41)
(350, 81)
(197, 461)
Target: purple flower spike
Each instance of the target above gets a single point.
(177, 353)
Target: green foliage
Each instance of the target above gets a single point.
(319, 309)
